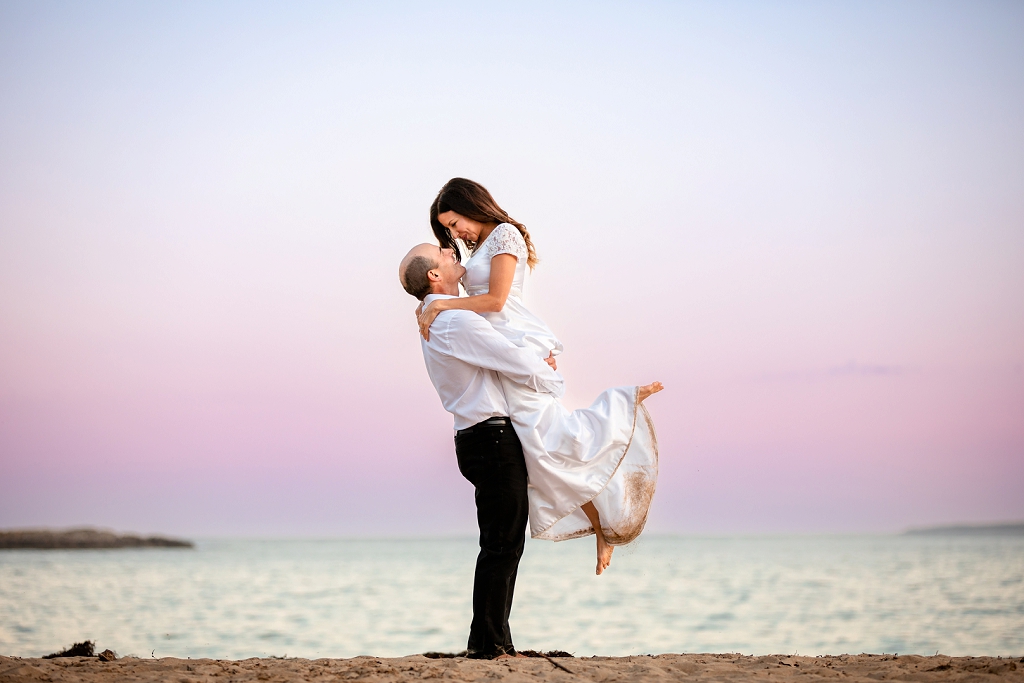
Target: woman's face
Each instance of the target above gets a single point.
(462, 228)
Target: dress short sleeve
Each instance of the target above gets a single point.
(506, 239)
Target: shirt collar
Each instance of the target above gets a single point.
(434, 297)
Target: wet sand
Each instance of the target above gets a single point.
(705, 667)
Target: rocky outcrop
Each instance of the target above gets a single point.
(51, 539)
(1007, 529)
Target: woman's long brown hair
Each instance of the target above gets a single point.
(472, 200)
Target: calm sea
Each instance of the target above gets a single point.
(333, 598)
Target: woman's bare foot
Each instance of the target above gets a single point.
(604, 553)
(646, 391)
(604, 548)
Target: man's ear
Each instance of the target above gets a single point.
(433, 275)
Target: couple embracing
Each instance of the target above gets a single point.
(493, 364)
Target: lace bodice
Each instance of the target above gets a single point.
(504, 239)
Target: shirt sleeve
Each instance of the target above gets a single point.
(472, 339)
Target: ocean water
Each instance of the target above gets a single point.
(337, 598)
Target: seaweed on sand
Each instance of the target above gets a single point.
(86, 648)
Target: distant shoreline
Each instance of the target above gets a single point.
(82, 539)
(89, 538)
(1006, 529)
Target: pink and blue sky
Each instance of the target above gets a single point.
(806, 219)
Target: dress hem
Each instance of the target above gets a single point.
(583, 533)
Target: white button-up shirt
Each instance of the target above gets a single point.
(465, 355)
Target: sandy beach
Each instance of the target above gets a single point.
(666, 667)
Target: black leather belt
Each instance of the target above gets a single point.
(489, 422)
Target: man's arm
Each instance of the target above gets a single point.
(472, 339)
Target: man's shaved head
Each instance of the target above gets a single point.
(414, 268)
(429, 268)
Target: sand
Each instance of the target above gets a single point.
(707, 667)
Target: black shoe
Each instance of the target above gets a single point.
(478, 654)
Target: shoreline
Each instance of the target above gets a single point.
(664, 667)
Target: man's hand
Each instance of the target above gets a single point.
(550, 360)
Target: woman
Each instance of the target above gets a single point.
(591, 470)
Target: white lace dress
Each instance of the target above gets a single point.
(606, 453)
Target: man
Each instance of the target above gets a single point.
(464, 357)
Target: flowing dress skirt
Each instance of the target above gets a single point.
(607, 453)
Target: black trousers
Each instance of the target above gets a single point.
(491, 458)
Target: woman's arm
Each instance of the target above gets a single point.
(503, 271)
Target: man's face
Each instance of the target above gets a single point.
(446, 272)
(449, 270)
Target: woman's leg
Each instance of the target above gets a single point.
(604, 549)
